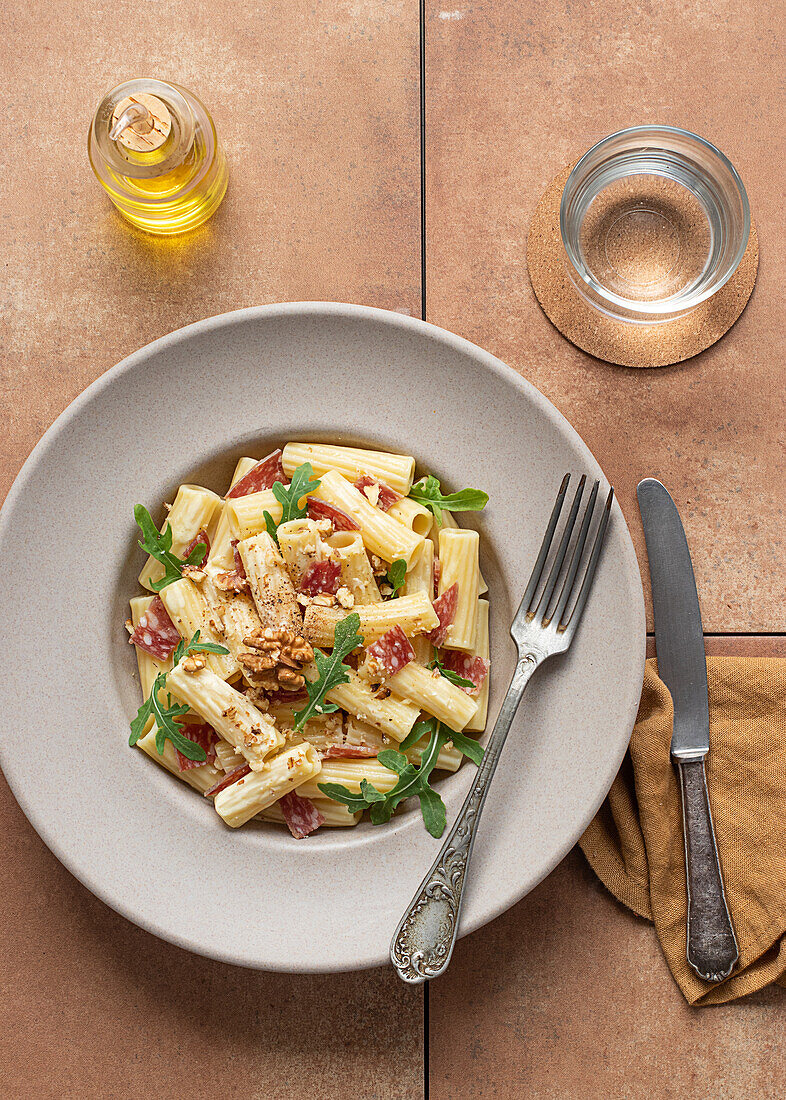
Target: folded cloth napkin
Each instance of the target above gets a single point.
(635, 843)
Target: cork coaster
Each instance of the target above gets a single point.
(626, 344)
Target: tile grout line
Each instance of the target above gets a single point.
(422, 71)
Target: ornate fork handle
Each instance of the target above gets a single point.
(423, 942)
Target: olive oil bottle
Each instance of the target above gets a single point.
(154, 149)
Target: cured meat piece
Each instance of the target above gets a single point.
(347, 752)
(445, 607)
(156, 633)
(378, 493)
(471, 668)
(321, 576)
(201, 734)
(262, 476)
(320, 509)
(240, 569)
(228, 780)
(200, 536)
(392, 652)
(301, 815)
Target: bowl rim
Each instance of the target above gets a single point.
(491, 908)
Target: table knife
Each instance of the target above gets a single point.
(679, 644)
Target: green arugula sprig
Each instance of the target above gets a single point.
(428, 492)
(449, 674)
(165, 716)
(289, 498)
(413, 779)
(331, 669)
(159, 545)
(396, 575)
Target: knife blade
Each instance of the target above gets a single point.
(710, 944)
(679, 638)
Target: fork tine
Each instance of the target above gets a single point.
(575, 560)
(534, 579)
(562, 550)
(575, 615)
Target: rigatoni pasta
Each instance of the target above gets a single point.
(308, 669)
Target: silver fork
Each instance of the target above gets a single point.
(544, 626)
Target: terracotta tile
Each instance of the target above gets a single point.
(95, 1008)
(317, 108)
(514, 91)
(567, 997)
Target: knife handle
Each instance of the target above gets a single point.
(711, 944)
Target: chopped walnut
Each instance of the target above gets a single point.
(345, 597)
(378, 566)
(129, 626)
(278, 659)
(231, 582)
(324, 526)
(324, 599)
(194, 573)
(192, 663)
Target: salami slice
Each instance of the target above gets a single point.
(392, 652)
(445, 607)
(240, 569)
(347, 752)
(228, 780)
(377, 492)
(301, 815)
(321, 576)
(156, 633)
(201, 734)
(471, 668)
(320, 509)
(200, 536)
(262, 476)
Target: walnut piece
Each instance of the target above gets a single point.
(231, 582)
(193, 663)
(278, 659)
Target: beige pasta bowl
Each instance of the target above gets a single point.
(184, 410)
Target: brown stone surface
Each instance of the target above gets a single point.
(317, 108)
(567, 997)
(515, 89)
(93, 1008)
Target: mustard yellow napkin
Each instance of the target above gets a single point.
(635, 843)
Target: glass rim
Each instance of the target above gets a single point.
(666, 306)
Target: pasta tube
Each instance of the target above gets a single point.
(240, 801)
(228, 711)
(350, 773)
(415, 614)
(270, 583)
(301, 545)
(221, 559)
(228, 758)
(246, 515)
(240, 619)
(322, 730)
(356, 573)
(361, 733)
(201, 778)
(449, 520)
(396, 471)
(458, 554)
(481, 649)
(393, 716)
(421, 579)
(433, 693)
(334, 813)
(189, 611)
(412, 515)
(190, 513)
(381, 534)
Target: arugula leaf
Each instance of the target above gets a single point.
(165, 715)
(396, 575)
(449, 674)
(159, 545)
(331, 669)
(289, 498)
(428, 492)
(468, 746)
